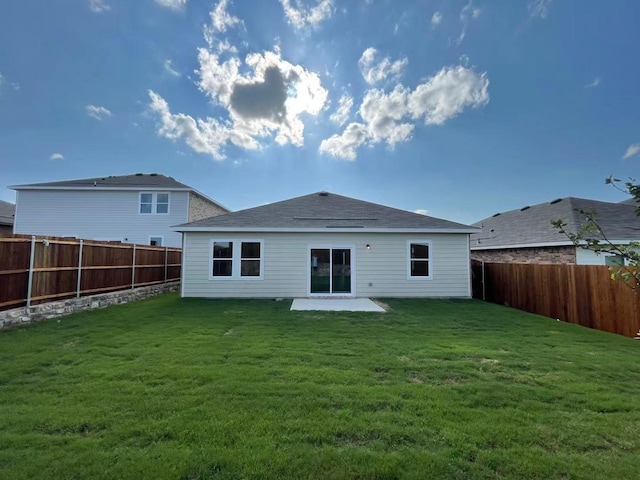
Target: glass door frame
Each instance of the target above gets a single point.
(331, 247)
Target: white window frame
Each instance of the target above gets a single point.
(154, 202)
(236, 259)
(427, 242)
(161, 237)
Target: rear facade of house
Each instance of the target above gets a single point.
(138, 208)
(325, 245)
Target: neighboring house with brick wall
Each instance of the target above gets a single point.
(526, 235)
(139, 208)
(7, 210)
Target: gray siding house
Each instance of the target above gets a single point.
(136, 208)
(526, 235)
(325, 245)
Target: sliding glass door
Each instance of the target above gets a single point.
(330, 271)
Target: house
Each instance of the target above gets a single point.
(325, 244)
(7, 211)
(526, 235)
(136, 208)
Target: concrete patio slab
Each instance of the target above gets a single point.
(336, 304)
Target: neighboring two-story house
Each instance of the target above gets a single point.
(139, 208)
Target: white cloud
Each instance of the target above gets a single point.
(266, 103)
(342, 113)
(390, 117)
(539, 8)
(172, 4)
(99, 6)
(447, 94)
(632, 151)
(221, 19)
(595, 83)
(56, 156)
(300, 16)
(99, 113)
(384, 69)
(168, 66)
(421, 211)
(436, 19)
(345, 145)
(468, 14)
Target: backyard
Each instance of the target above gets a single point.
(173, 388)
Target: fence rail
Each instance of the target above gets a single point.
(581, 294)
(38, 269)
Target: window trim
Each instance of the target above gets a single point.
(236, 259)
(154, 202)
(429, 259)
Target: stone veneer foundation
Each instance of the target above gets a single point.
(45, 311)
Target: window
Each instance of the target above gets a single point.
(614, 260)
(418, 257)
(154, 203)
(155, 241)
(236, 259)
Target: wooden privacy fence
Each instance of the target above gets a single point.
(37, 269)
(581, 294)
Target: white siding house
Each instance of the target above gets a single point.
(132, 209)
(325, 245)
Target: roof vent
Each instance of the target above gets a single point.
(555, 201)
(324, 194)
(153, 174)
(139, 174)
(525, 208)
(495, 215)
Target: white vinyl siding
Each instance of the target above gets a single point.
(381, 271)
(98, 214)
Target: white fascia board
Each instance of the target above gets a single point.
(177, 228)
(542, 244)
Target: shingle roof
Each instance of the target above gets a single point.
(629, 201)
(148, 180)
(7, 212)
(322, 210)
(532, 224)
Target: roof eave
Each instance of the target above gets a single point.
(186, 229)
(105, 187)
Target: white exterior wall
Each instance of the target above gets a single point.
(589, 257)
(97, 215)
(379, 272)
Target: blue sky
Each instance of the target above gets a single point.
(460, 108)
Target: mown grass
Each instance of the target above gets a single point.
(191, 389)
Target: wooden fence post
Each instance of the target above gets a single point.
(31, 259)
(133, 268)
(484, 296)
(166, 256)
(79, 269)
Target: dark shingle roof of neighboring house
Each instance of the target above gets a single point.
(629, 201)
(138, 180)
(323, 210)
(7, 213)
(531, 225)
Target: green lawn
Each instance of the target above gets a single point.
(195, 389)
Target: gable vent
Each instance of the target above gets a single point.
(555, 201)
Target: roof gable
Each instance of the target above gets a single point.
(532, 224)
(322, 210)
